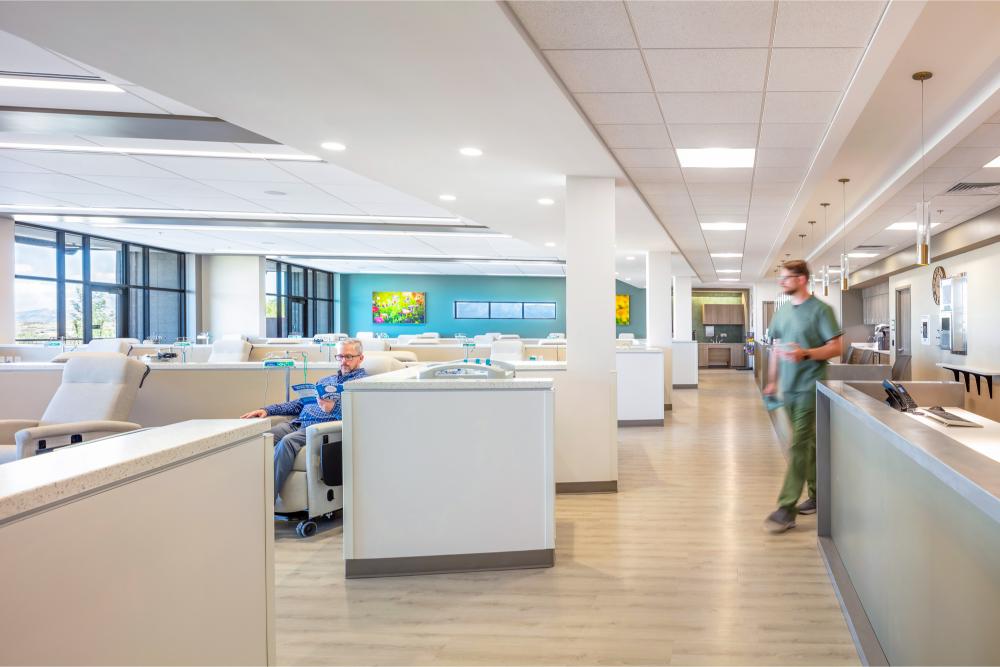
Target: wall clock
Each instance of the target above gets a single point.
(936, 284)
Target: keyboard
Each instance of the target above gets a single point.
(940, 414)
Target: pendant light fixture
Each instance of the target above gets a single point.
(845, 269)
(923, 207)
(826, 232)
(812, 279)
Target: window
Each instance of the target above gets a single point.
(82, 287)
(505, 310)
(298, 300)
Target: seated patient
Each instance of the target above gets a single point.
(290, 436)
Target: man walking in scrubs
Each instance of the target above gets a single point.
(805, 335)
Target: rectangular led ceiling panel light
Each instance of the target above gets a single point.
(59, 84)
(716, 158)
(724, 226)
(725, 255)
(993, 164)
(729, 280)
(727, 271)
(161, 152)
(862, 255)
(907, 226)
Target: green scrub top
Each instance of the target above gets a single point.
(809, 324)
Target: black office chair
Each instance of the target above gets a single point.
(901, 367)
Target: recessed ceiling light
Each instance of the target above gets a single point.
(907, 226)
(470, 151)
(723, 226)
(729, 280)
(59, 84)
(862, 255)
(216, 215)
(727, 254)
(447, 197)
(545, 201)
(716, 158)
(630, 258)
(550, 244)
(125, 150)
(993, 164)
(617, 274)
(727, 271)
(333, 146)
(628, 278)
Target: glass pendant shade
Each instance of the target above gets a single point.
(826, 280)
(923, 234)
(845, 271)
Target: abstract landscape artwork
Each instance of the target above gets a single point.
(399, 307)
(622, 316)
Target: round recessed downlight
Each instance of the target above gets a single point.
(545, 201)
(630, 258)
(447, 197)
(333, 146)
(470, 151)
(550, 244)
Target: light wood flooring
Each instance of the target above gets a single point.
(673, 569)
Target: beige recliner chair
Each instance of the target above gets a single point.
(507, 350)
(316, 486)
(94, 400)
(229, 350)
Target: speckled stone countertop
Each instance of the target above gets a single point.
(406, 380)
(33, 483)
(639, 350)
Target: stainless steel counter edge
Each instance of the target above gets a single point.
(970, 474)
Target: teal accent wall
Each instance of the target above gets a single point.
(442, 291)
(734, 332)
(637, 308)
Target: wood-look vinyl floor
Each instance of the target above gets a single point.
(673, 569)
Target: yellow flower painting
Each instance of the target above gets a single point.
(622, 315)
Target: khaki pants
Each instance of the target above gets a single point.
(802, 454)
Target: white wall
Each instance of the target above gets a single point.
(232, 294)
(7, 324)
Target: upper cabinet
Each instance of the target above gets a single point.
(722, 313)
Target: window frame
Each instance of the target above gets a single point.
(125, 286)
(308, 299)
(490, 316)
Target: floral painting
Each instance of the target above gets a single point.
(399, 307)
(622, 316)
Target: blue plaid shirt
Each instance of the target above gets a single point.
(313, 414)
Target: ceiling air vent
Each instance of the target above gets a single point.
(870, 247)
(975, 189)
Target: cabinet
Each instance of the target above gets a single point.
(721, 355)
(722, 313)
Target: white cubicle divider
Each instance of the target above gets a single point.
(149, 548)
(684, 362)
(640, 386)
(451, 482)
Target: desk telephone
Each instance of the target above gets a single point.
(898, 397)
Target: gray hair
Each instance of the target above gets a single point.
(359, 348)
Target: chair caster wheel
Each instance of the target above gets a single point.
(305, 528)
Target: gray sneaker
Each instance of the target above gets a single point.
(779, 521)
(807, 506)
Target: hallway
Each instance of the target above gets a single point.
(673, 569)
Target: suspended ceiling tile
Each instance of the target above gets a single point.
(267, 190)
(702, 189)
(48, 183)
(635, 136)
(729, 135)
(18, 166)
(800, 107)
(163, 102)
(614, 71)
(646, 157)
(20, 198)
(678, 25)
(829, 23)
(219, 202)
(710, 107)
(576, 25)
(779, 174)
(226, 169)
(75, 99)
(784, 157)
(787, 190)
(156, 187)
(986, 135)
(82, 164)
(612, 108)
(655, 175)
(791, 135)
(113, 200)
(705, 175)
(325, 173)
(964, 156)
(812, 69)
(707, 70)
(317, 205)
(392, 208)
(20, 55)
(663, 190)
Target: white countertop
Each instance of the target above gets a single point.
(406, 379)
(181, 366)
(969, 369)
(984, 440)
(32, 483)
(869, 346)
(638, 350)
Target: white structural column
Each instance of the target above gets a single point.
(682, 308)
(659, 308)
(232, 294)
(7, 324)
(590, 338)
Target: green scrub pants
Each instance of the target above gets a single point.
(802, 454)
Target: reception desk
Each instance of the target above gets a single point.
(909, 524)
(153, 547)
(447, 475)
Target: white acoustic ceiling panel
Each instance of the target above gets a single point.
(620, 107)
(696, 24)
(800, 107)
(791, 135)
(599, 71)
(577, 25)
(633, 136)
(711, 107)
(707, 70)
(809, 23)
(646, 157)
(812, 69)
(699, 135)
